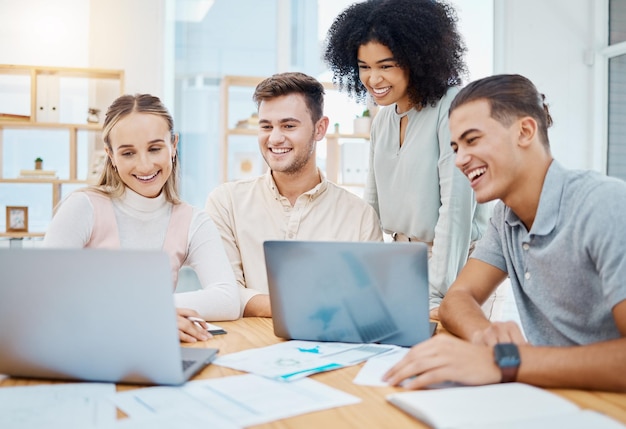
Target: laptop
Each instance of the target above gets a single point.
(360, 292)
(92, 314)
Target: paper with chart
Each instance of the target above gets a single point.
(296, 359)
(239, 400)
(53, 406)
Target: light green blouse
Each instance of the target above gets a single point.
(418, 191)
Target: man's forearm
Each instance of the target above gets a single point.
(461, 315)
(599, 366)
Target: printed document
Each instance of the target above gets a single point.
(242, 400)
(57, 406)
(292, 360)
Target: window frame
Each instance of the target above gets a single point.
(600, 152)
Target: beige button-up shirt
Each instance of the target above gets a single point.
(250, 211)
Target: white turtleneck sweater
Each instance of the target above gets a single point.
(142, 224)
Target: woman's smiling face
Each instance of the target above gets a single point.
(384, 79)
(142, 151)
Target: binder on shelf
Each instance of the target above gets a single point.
(48, 98)
(354, 162)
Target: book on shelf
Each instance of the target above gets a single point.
(510, 405)
(38, 174)
(14, 117)
(251, 123)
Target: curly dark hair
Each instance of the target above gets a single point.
(421, 34)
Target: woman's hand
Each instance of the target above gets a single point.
(434, 314)
(191, 328)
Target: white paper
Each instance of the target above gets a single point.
(174, 420)
(372, 372)
(244, 400)
(583, 419)
(62, 406)
(481, 405)
(295, 359)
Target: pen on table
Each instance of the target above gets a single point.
(197, 321)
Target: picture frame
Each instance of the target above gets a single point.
(247, 164)
(17, 219)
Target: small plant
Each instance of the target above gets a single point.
(38, 159)
(38, 163)
(366, 113)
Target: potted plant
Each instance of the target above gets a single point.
(38, 163)
(362, 123)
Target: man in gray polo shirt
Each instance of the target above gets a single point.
(560, 237)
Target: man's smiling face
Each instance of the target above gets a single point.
(486, 150)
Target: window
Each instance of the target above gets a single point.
(616, 149)
(240, 38)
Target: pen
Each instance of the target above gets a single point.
(197, 321)
(212, 329)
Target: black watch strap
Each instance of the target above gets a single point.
(509, 374)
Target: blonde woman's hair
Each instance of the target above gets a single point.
(110, 182)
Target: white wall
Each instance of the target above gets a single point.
(478, 37)
(547, 41)
(43, 32)
(130, 35)
(115, 34)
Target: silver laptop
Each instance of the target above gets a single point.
(358, 292)
(92, 314)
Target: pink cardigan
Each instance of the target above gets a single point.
(104, 233)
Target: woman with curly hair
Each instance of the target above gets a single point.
(408, 56)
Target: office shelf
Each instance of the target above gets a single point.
(45, 98)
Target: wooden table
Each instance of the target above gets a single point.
(372, 412)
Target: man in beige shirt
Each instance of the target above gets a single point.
(293, 200)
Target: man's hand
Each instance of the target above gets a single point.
(499, 332)
(191, 331)
(445, 358)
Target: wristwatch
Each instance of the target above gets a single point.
(507, 358)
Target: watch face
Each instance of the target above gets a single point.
(506, 355)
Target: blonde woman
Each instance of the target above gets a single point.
(136, 205)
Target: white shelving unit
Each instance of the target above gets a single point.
(43, 95)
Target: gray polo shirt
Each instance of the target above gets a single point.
(569, 271)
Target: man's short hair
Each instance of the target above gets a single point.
(510, 96)
(293, 83)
